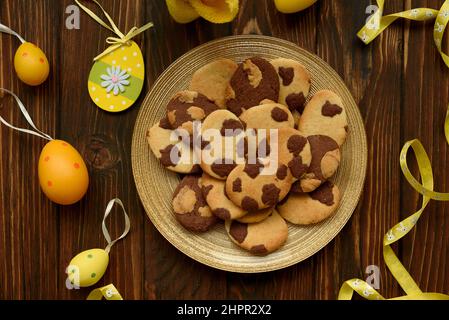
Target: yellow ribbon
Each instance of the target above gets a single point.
(108, 292)
(121, 39)
(377, 23)
(397, 269)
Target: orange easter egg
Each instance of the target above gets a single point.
(63, 175)
(31, 64)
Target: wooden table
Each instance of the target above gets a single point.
(399, 82)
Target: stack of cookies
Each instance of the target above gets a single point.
(254, 154)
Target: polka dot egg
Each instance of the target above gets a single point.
(31, 64)
(116, 80)
(88, 267)
(63, 175)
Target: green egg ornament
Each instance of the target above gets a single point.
(117, 76)
(89, 266)
(116, 80)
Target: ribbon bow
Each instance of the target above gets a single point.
(121, 39)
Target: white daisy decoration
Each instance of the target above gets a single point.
(445, 14)
(367, 292)
(109, 293)
(414, 13)
(429, 13)
(390, 236)
(402, 227)
(365, 37)
(356, 283)
(115, 80)
(439, 27)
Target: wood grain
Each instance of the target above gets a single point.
(399, 82)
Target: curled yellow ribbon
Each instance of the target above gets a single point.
(121, 39)
(108, 292)
(397, 269)
(377, 23)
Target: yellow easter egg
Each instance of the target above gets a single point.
(292, 6)
(181, 11)
(31, 64)
(116, 80)
(62, 172)
(87, 267)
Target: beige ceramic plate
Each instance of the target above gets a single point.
(155, 185)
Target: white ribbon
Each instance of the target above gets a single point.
(103, 225)
(7, 30)
(24, 111)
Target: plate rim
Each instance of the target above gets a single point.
(235, 268)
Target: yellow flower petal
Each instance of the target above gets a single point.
(216, 11)
(181, 11)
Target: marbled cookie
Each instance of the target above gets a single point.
(325, 115)
(268, 116)
(222, 145)
(256, 216)
(294, 82)
(294, 151)
(313, 207)
(253, 189)
(324, 164)
(187, 106)
(190, 207)
(215, 195)
(259, 238)
(254, 80)
(212, 80)
(172, 153)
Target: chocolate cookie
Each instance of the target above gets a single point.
(256, 216)
(313, 207)
(294, 82)
(186, 107)
(325, 115)
(255, 186)
(254, 80)
(223, 143)
(259, 238)
(190, 207)
(324, 164)
(170, 150)
(215, 195)
(213, 79)
(268, 116)
(294, 152)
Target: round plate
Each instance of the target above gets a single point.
(156, 185)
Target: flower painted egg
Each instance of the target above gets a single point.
(116, 80)
(31, 64)
(87, 267)
(62, 172)
(292, 6)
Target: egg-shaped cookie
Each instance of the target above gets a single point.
(256, 186)
(325, 161)
(268, 116)
(222, 144)
(256, 216)
(259, 238)
(215, 195)
(186, 107)
(310, 208)
(294, 82)
(325, 115)
(171, 151)
(190, 207)
(254, 80)
(212, 80)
